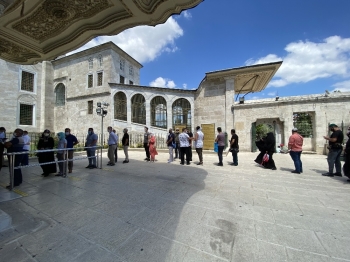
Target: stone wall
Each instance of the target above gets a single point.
(12, 96)
(334, 108)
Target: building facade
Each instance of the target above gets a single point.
(64, 93)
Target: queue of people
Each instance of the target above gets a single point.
(181, 143)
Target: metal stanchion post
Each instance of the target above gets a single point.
(66, 163)
(101, 141)
(12, 172)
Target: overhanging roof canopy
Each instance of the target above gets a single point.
(248, 79)
(35, 30)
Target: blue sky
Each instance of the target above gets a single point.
(312, 38)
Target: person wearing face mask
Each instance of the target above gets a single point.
(71, 142)
(91, 141)
(16, 145)
(346, 166)
(26, 147)
(112, 145)
(335, 148)
(46, 142)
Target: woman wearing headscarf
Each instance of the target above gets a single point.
(46, 142)
(62, 144)
(152, 147)
(269, 148)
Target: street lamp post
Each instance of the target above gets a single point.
(101, 110)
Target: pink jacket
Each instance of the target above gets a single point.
(296, 142)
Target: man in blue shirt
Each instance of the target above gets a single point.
(71, 142)
(16, 145)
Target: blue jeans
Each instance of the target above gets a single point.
(91, 153)
(295, 155)
(235, 158)
(220, 150)
(333, 159)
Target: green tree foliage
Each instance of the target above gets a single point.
(303, 121)
(262, 130)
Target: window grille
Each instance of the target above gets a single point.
(121, 79)
(138, 109)
(99, 78)
(182, 113)
(60, 95)
(26, 114)
(91, 64)
(90, 81)
(120, 109)
(122, 64)
(90, 107)
(100, 60)
(158, 112)
(303, 121)
(27, 83)
(131, 70)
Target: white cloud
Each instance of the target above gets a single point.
(184, 86)
(163, 82)
(342, 86)
(306, 61)
(143, 43)
(272, 93)
(187, 14)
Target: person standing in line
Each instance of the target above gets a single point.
(190, 134)
(26, 147)
(116, 149)
(71, 142)
(220, 139)
(46, 142)
(146, 137)
(335, 148)
(3, 139)
(125, 142)
(169, 142)
(177, 142)
(346, 166)
(295, 146)
(62, 144)
(112, 145)
(234, 147)
(153, 147)
(91, 141)
(184, 145)
(16, 145)
(199, 138)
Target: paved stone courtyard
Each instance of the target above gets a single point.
(168, 212)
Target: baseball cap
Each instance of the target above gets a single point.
(333, 125)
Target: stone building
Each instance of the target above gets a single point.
(64, 93)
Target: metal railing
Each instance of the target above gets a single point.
(11, 159)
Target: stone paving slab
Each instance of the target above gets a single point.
(144, 211)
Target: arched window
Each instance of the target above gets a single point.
(60, 93)
(158, 112)
(182, 113)
(120, 109)
(138, 109)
